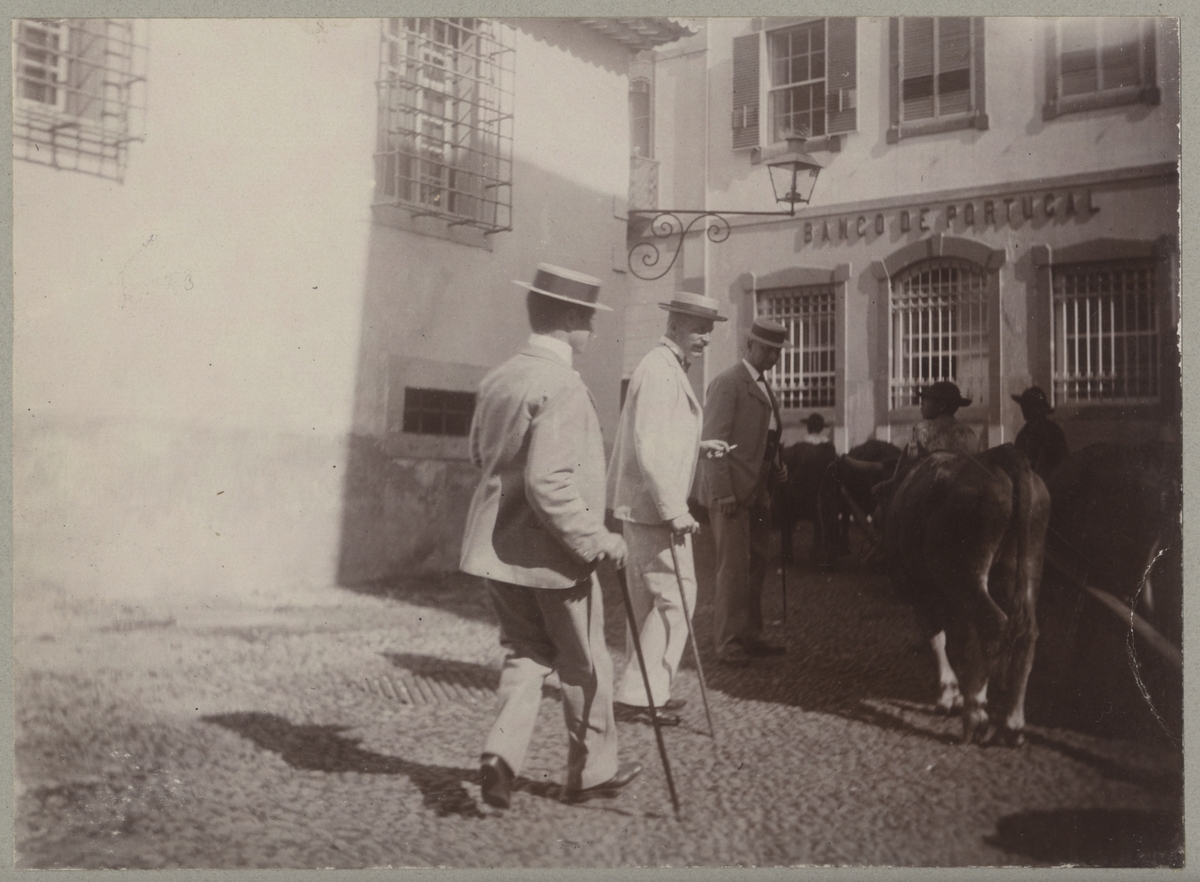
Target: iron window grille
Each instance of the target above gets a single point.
(939, 330)
(445, 120)
(79, 95)
(1106, 332)
(806, 375)
(438, 412)
(1099, 62)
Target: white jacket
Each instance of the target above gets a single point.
(658, 442)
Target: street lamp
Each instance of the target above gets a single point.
(793, 176)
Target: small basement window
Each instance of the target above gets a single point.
(438, 412)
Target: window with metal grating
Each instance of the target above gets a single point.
(939, 330)
(1106, 336)
(78, 92)
(806, 375)
(445, 120)
(438, 411)
(1099, 62)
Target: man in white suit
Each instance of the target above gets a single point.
(649, 478)
(535, 530)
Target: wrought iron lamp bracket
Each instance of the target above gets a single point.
(667, 224)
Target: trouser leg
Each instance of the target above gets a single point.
(731, 615)
(531, 658)
(575, 622)
(658, 610)
(759, 534)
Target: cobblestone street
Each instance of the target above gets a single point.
(327, 728)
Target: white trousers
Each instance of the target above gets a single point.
(658, 610)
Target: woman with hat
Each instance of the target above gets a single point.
(649, 478)
(939, 430)
(1042, 441)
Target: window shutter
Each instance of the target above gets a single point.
(841, 66)
(954, 65)
(745, 91)
(916, 66)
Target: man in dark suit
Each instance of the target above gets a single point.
(535, 530)
(1042, 441)
(741, 409)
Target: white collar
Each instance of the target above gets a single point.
(675, 350)
(561, 348)
(757, 375)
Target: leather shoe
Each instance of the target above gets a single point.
(674, 704)
(760, 648)
(626, 772)
(735, 656)
(497, 778)
(632, 713)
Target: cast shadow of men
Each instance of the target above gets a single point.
(322, 749)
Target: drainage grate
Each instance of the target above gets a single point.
(447, 687)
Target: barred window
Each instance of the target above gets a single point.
(445, 120)
(78, 92)
(437, 411)
(806, 375)
(939, 319)
(1106, 333)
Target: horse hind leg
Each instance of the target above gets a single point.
(949, 697)
(973, 684)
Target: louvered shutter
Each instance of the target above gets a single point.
(841, 66)
(954, 65)
(916, 66)
(745, 91)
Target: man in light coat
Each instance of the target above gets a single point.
(649, 477)
(742, 411)
(535, 530)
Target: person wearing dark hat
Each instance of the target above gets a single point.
(939, 430)
(649, 477)
(741, 410)
(535, 531)
(815, 429)
(1042, 441)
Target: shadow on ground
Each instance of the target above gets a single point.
(323, 749)
(1093, 837)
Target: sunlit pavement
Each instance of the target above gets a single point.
(330, 728)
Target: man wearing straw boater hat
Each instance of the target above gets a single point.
(741, 410)
(535, 530)
(649, 478)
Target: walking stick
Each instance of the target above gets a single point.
(637, 643)
(687, 615)
(782, 538)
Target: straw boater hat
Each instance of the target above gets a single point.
(768, 332)
(564, 284)
(944, 391)
(1035, 398)
(693, 304)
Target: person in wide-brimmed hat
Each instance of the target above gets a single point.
(649, 476)
(1042, 441)
(939, 430)
(741, 410)
(535, 530)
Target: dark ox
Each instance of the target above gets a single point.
(846, 491)
(965, 537)
(1114, 523)
(797, 500)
